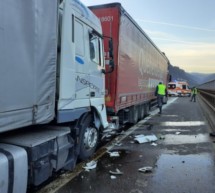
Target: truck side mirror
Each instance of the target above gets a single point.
(110, 48)
(111, 64)
(111, 58)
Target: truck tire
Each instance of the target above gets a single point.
(141, 112)
(89, 138)
(146, 107)
(133, 114)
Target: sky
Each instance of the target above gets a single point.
(183, 29)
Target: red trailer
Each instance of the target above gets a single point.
(139, 64)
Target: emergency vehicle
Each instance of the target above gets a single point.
(178, 88)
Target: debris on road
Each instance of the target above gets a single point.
(145, 138)
(177, 133)
(154, 144)
(117, 172)
(114, 154)
(118, 144)
(90, 165)
(113, 177)
(161, 137)
(146, 169)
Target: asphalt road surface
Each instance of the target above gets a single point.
(179, 160)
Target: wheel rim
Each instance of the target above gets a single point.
(90, 137)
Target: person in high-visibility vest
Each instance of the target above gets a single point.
(160, 92)
(194, 93)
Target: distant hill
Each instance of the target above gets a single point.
(203, 77)
(193, 79)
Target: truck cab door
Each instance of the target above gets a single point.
(73, 66)
(96, 62)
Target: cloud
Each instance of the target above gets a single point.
(177, 25)
(197, 50)
(173, 43)
(170, 38)
(192, 58)
(188, 55)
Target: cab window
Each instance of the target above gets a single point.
(95, 49)
(79, 34)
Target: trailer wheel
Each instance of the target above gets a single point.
(88, 138)
(133, 115)
(146, 106)
(141, 112)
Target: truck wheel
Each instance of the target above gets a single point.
(141, 112)
(88, 138)
(133, 115)
(146, 109)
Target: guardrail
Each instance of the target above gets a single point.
(207, 94)
(207, 91)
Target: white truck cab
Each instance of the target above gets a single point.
(52, 89)
(81, 81)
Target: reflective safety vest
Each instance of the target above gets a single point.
(161, 89)
(194, 91)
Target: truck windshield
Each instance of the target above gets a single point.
(171, 86)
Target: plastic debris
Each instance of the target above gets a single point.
(122, 132)
(113, 177)
(114, 154)
(90, 165)
(177, 133)
(145, 138)
(154, 144)
(161, 137)
(117, 172)
(118, 144)
(145, 169)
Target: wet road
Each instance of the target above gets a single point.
(182, 159)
